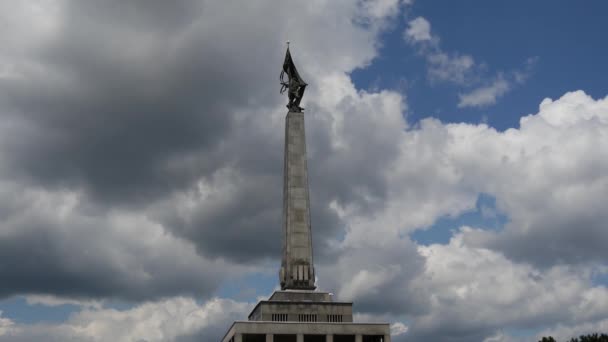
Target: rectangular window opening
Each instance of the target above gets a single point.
(334, 318)
(307, 317)
(279, 317)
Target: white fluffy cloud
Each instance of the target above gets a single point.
(175, 319)
(485, 95)
(479, 290)
(549, 177)
(5, 325)
(419, 29)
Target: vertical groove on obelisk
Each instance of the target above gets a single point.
(297, 270)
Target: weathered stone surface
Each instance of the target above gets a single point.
(328, 329)
(295, 296)
(297, 270)
(292, 304)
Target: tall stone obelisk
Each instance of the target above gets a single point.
(297, 270)
(298, 312)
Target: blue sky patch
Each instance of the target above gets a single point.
(485, 216)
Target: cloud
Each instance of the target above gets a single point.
(5, 325)
(548, 178)
(139, 146)
(419, 29)
(173, 319)
(461, 69)
(55, 243)
(53, 301)
(398, 329)
(141, 159)
(455, 68)
(442, 67)
(175, 89)
(381, 9)
(477, 290)
(515, 166)
(488, 94)
(484, 96)
(377, 282)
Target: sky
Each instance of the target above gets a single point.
(457, 155)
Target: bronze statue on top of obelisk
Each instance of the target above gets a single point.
(297, 270)
(294, 85)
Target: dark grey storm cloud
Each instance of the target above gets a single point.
(52, 245)
(570, 239)
(128, 102)
(126, 92)
(165, 117)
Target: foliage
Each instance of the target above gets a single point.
(547, 339)
(583, 338)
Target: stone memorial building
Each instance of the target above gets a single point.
(298, 312)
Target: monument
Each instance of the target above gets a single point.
(298, 313)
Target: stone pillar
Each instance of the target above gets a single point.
(269, 338)
(358, 338)
(300, 338)
(329, 338)
(238, 337)
(387, 338)
(297, 269)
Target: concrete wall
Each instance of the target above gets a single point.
(358, 330)
(321, 310)
(298, 296)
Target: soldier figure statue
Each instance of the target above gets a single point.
(295, 85)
